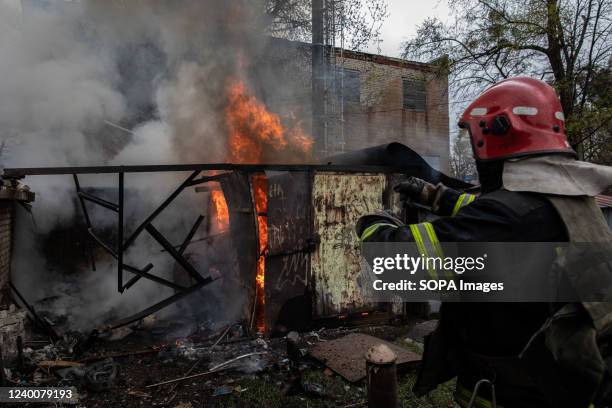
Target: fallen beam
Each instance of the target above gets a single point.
(158, 306)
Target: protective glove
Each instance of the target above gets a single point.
(377, 217)
(415, 190)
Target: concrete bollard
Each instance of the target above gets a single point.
(293, 346)
(381, 377)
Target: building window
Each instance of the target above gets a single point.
(348, 87)
(415, 95)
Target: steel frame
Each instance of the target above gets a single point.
(21, 172)
(123, 244)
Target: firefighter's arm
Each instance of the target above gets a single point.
(483, 221)
(370, 225)
(449, 202)
(442, 200)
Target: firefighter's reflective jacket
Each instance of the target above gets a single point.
(532, 362)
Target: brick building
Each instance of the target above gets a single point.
(369, 99)
(11, 193)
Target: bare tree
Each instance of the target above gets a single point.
(462, 162)
(359, 22)
(595, 122)
(561, 41)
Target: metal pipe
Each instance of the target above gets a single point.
(318, 77)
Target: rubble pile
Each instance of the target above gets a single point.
(144, 364)
(11, 330)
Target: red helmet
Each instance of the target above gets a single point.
(516, 117)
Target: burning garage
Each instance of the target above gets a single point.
(278, 240)
(189, 203)
(284, 231)
(190, 110)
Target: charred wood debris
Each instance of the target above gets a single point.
(145, 364)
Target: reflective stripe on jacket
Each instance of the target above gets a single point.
(463, 200)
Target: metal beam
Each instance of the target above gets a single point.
(159, 209)
(158, 306)
(43, 323)
(154, 278)
(248, 168)
(173, 252)
(135, 279)
(207, 179)
(190, 235)
(100, 201)
(318, 78)
(103, 244)
(120, 265)
(81, 200)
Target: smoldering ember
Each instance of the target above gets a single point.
(187, 188)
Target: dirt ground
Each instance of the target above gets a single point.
(260, 380)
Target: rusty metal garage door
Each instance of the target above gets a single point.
(338, 201)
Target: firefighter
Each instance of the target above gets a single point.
(532, 189)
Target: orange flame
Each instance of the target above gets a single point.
(260, 193)
(257, 135)
(221, 210)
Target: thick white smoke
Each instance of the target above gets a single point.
(72, 74)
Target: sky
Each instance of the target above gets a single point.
(404, 17)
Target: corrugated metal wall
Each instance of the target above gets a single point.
(288, 300)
